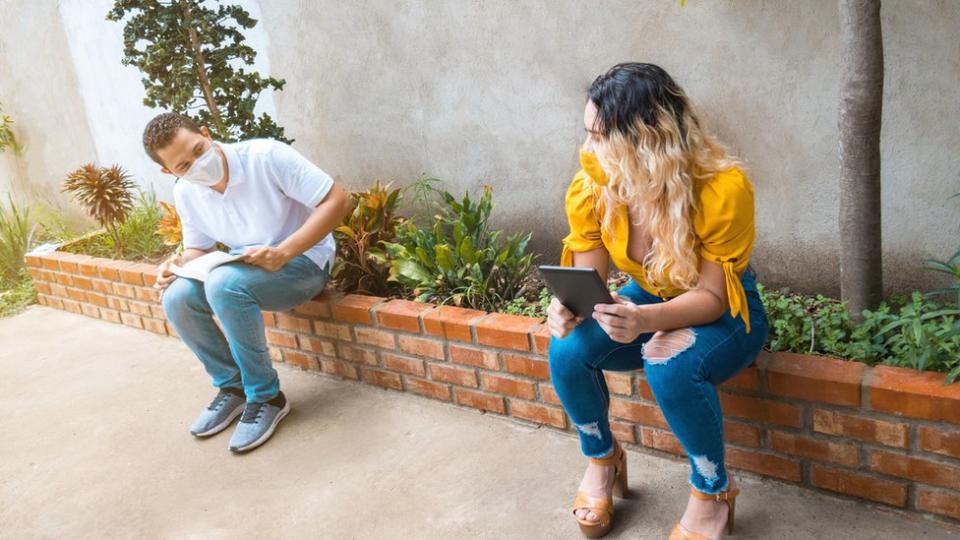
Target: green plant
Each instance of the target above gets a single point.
(15, 239)
(800, 323)
(459, 259)
(361, 263)
(105, 193)
(136, 239)
(194, 62)
(529, 308)
(8, 138)
(16, 294)
(923, 336)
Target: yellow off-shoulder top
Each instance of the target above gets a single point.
(723, 223)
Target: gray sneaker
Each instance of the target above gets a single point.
(221, 412)
(257, 423)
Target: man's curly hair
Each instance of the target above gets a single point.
(162, 129)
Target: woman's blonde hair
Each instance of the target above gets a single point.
(653, 150)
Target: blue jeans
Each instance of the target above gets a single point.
(683, 384)
(238, 357)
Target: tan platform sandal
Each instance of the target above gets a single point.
(729, 497)
(603, 506)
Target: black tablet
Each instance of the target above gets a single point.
(579, 289)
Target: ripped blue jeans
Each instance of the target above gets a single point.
(683, 372)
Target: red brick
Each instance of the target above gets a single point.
(858, 485)
(548, 394)
(110, 269)
(479, 400)
(134, 274)
(171, 331)
(140, 309)
(50, 261)
(799, 445)
(939, 502)
(122, 289)
(643, 389)
(154, 325)
(301, 360)
(102, 286)
(90, 267)
(355, 308)
(41, 287)
(742, 434)
(269, 318)
(913, 468)
(97, 299)
(111, 315)
(130, 319)
(155, 310)
(474, 357)
(431, 389)
(76, 294)
(55, 302)
(413, 366)
(63, 279)
(506, 331)
(623, 431)
(333, 330)
(33, 261)
(921, 395)
(58, 290)
(36, 274)
(147, 294)
(748, 379)
(69, 262)
(455, 375)
(510, 387)
(427, 348)
(118, 304)
(535, 412)
(296, 324)
(815, 378)
(314, 308)
(380, 377)
(636, 411)
(763, 410)
(375, 337)
(356, 354)
(661, 440)
(317, 345)
(276, 355)
(81, 282)
(619, 383)
(858, 427)
(341, 369)
(282, 339)
(765, 464)
(451, 322)
(402, 315)
(940, 441)
(541, 340)
(90, 311)
(531, 367)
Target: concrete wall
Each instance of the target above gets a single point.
(492, 92)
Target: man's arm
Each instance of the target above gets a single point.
(326, 217)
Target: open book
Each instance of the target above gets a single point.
(200, 267)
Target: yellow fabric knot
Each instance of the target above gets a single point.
(737, 296)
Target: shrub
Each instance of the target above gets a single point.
(105, 193)
(361, 265)
(15, 238)
(458, 259)
(135, 239)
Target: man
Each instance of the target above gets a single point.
(263, 199)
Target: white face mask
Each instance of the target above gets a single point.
(207, 170)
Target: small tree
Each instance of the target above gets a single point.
(861, 103)
(105, 193)
(195, 63)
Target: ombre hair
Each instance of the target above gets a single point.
(653, 148)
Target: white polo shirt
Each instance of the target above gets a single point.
(271, 192)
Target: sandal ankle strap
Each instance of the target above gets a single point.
(719, 497)
(612, 459)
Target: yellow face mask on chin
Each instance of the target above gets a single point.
(591, 166)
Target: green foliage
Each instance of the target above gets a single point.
(811, 324)
(137, 239)
(459, 259)
(15, 238)
(15, 295)
(361, 265)
(8, 139)
(524, 306)
(194, 62)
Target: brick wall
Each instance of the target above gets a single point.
(883, 434)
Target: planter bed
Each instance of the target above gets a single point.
(883, 434)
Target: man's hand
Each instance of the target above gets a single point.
(267, 257)
(164, 276)
(560, 320)
(623, 321)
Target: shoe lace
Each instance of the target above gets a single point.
(252, 412)
(219, 400)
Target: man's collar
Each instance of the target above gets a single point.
(234, 168)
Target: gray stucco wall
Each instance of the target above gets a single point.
(492, 92)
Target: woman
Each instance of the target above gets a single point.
(665, 201)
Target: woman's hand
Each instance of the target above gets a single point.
(623, 321)
(560, 320)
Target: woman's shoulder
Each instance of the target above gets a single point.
(732, 182)
(581, 190)
(722, 198)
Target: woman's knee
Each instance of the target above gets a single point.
(670, 370)
(568, 356)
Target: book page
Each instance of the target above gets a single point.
(201, 266)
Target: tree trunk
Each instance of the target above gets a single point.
(201, 63)
(861, 102)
